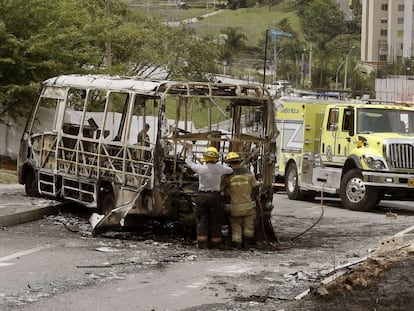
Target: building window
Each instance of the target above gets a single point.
(383, 46)
(401, 8)
(400, 20)
(384, 32)
(384, 7)
(384, 20)
(383, 58)
(400, 33)
(401, 46)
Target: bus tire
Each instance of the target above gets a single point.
(354, 194)
(107, 203)
(30, 185)
(291, 182)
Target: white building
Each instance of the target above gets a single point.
(387, 30)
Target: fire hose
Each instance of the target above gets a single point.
(290, 240)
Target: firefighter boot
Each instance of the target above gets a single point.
(202, 244)
(247, 242)
(236, 245)
(216, 245)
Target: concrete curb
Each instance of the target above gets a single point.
(16, 218)
(25, 209)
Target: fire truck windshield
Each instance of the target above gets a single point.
(377, 120)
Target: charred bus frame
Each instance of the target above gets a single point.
(80, 141)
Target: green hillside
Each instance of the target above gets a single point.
(252, 21)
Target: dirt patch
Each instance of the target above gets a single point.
(8, 176)
(8, 163)
(382, 283)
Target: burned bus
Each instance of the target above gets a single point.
(83, 141)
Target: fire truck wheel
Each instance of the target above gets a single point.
(354, 194)
(291, 182)
(107, 203)
(30, 185)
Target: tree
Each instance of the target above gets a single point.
(41, 39)
(234, 42)
(322, 22)
(143, 51)
(301, 6)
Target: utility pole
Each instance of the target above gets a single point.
(275, 34)
(303, 72)
(274, 61)
(265, 59)
(310, 65)
(108, 52)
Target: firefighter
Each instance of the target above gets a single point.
(241, 186)
(143, 139)
(209, 207)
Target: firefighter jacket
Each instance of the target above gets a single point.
(240, 186)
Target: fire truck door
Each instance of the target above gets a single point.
(329, 136)
(343, 142)
(337, 135)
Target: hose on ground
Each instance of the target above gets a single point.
(290, 240)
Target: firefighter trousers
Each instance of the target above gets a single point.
(242, 227)
(209, 214)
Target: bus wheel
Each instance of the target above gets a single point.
(107, 203)
(30, 185)
(354, 194)
(291, 182)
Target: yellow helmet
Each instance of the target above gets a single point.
(233, 157)
(211, 155)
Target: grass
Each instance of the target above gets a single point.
(168, 11)
(8, 177)
(253, 22)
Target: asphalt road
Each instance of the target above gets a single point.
(55, 263)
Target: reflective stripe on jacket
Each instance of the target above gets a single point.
(240, 210)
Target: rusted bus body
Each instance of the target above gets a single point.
(80, 142)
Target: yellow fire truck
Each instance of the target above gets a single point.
(363, 152)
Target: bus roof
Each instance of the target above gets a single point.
(155, 87)
(102, 82)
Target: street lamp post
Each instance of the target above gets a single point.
(336, 76)
(346, 65)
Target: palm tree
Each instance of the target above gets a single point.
(234, 42)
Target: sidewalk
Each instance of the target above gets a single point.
(16, 208)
